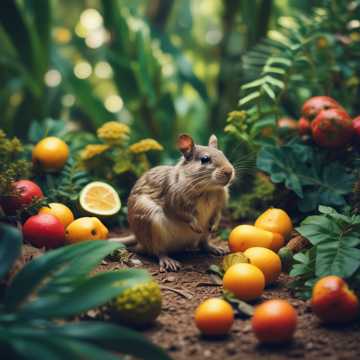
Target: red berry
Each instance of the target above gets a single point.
(332, 128)
(27, 191)
(304, 126)
(44, 230)
(314, 105)
(356, 126)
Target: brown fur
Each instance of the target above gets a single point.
(171, 208)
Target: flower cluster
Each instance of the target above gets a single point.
(144, 146)
(92, 150)
(113, 132)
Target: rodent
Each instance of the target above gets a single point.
(171, 208)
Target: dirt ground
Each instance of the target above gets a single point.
(175, 330)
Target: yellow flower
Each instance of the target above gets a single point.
(113, 132)
(144, 146)
(92, 150)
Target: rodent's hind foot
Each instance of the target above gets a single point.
(214, 250)
(168, 264)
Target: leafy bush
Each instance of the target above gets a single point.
(310, 172)
(56, 286)
(335, 240)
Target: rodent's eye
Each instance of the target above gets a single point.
(205, 159)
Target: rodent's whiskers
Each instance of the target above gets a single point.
(196, 182)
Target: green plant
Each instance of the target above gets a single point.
(12, 166)
(306, 56)
(335, 240)
(57, 286)
(114, 158)
(28, 52)
(314, 175)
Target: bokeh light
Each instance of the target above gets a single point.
(82, 70)
(103, 70)
(52, 78)
(68, 100)
(114, 103)
(91, 19)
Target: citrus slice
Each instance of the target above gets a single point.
(99, 198)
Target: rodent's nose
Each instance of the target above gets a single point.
(228, 171)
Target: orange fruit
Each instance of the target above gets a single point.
(333, 302)
(214, 317)
(267, 261)
(274, 321)
(60, 211)
(275, 220)
(85, 228)
(51, 153)
(243, 237)
(245, 281)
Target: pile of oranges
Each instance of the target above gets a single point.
(258, 266)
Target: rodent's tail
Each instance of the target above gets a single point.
(126, 240)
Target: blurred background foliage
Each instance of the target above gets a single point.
(162, 67)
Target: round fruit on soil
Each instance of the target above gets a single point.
(85, 228)
(44, 230)
(332, 128)
(26, 191)
(274, 321)
(138, 305)
(333, 302)
(214, 317)
(314, 105)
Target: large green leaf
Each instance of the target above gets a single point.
(115, 337)
(336, 243)
(10, 247)
(78, 339)
(44, 268)
(308, 173)
(87, 294)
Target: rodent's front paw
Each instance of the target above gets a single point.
(195, 226)
(213, 228)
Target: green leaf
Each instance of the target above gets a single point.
(269, 91)
(255, 83)
(87, 294)
(114, 337)
(249, 98)
(10, 247)
(42, 269)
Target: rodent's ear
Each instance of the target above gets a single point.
(185, 144)
(213, 142)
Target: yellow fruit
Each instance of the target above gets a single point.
(267, 261)
(85, 228)
(275, 220)
(214, 317)
(245, 281)
(60, 211)
(245, 236)
(100, 199)
(51, 153)
(139, 305)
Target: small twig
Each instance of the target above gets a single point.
(183, 293)
(206, 284)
